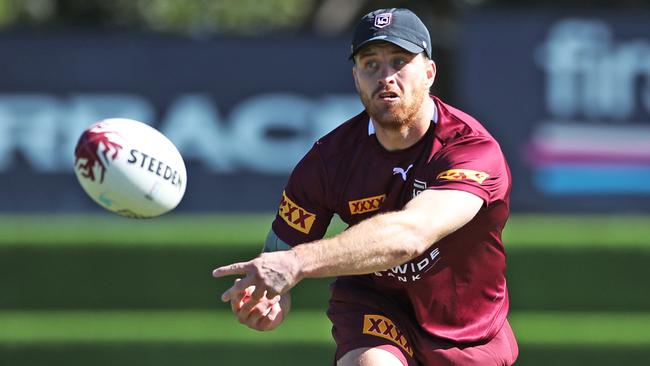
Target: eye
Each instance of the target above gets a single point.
(399, 62)
(371, 65)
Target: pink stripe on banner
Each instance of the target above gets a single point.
(541, 156)
(588, 143)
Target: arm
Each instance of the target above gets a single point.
(376, 244)
(265, 314)
(390, 239)
(302, 216)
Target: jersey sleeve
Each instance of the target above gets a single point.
(476, 165)
(303, 214)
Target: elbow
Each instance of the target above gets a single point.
(419, 238)
(413, 235)
(413, 246)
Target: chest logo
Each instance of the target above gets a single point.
(295, 216)
(364, 205)
(411, 271)
(398, 170)
(463, 174)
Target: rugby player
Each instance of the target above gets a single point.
(424, 189)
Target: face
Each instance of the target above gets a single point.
(393, 83)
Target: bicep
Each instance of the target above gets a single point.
(440, 212)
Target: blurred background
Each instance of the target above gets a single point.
(244, 88)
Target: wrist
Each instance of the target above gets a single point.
(300, 259)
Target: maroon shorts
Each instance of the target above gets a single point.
(362, 318)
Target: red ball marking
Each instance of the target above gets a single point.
(88, 148)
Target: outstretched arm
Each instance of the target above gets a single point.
(263, 314)
(389, 239)
(376, 244)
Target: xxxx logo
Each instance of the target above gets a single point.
(296, 216)
(383, 327)
(462, 174)
(366, 204)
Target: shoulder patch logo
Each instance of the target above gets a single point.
(463, 174)
(381, 326)
(296, 216)
(364, 205)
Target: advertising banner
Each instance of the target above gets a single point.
(568, 96)
(242, 112)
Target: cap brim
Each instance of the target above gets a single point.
(409, 46)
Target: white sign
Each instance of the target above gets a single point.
(592, 75)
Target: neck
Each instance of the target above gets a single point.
(408, 134)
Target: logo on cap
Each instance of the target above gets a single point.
(383, 20)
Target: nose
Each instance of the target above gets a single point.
(386, 75)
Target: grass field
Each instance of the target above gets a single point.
(536, 328)
(104, 290)
(219, 230)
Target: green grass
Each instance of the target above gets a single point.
(70, 249)
(250, 229)
(537, 328)
(576, 231)
(154, 326)
(581, 329)
(108, 229)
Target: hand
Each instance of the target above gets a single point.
(263, 316)
(271, 274)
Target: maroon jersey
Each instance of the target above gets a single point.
(455, 290)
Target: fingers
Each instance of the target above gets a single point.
(254, 309)
(258, 293)
(238, 287)
(272, 319)
(258, 315)
(256, 297)
(232, 269)
(268, 274)
(271, 293)
(240, 268)
(240, 298)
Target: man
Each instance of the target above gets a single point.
(424, 188)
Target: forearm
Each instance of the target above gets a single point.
(388, 240)
(375, 244)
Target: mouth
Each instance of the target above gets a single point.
(388, 96)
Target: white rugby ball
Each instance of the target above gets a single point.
(130, 168)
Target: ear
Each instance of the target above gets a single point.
(431, 72)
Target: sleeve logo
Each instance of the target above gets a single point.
(364, 205)
(380, 326)
(296, 216)
(462, 174)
